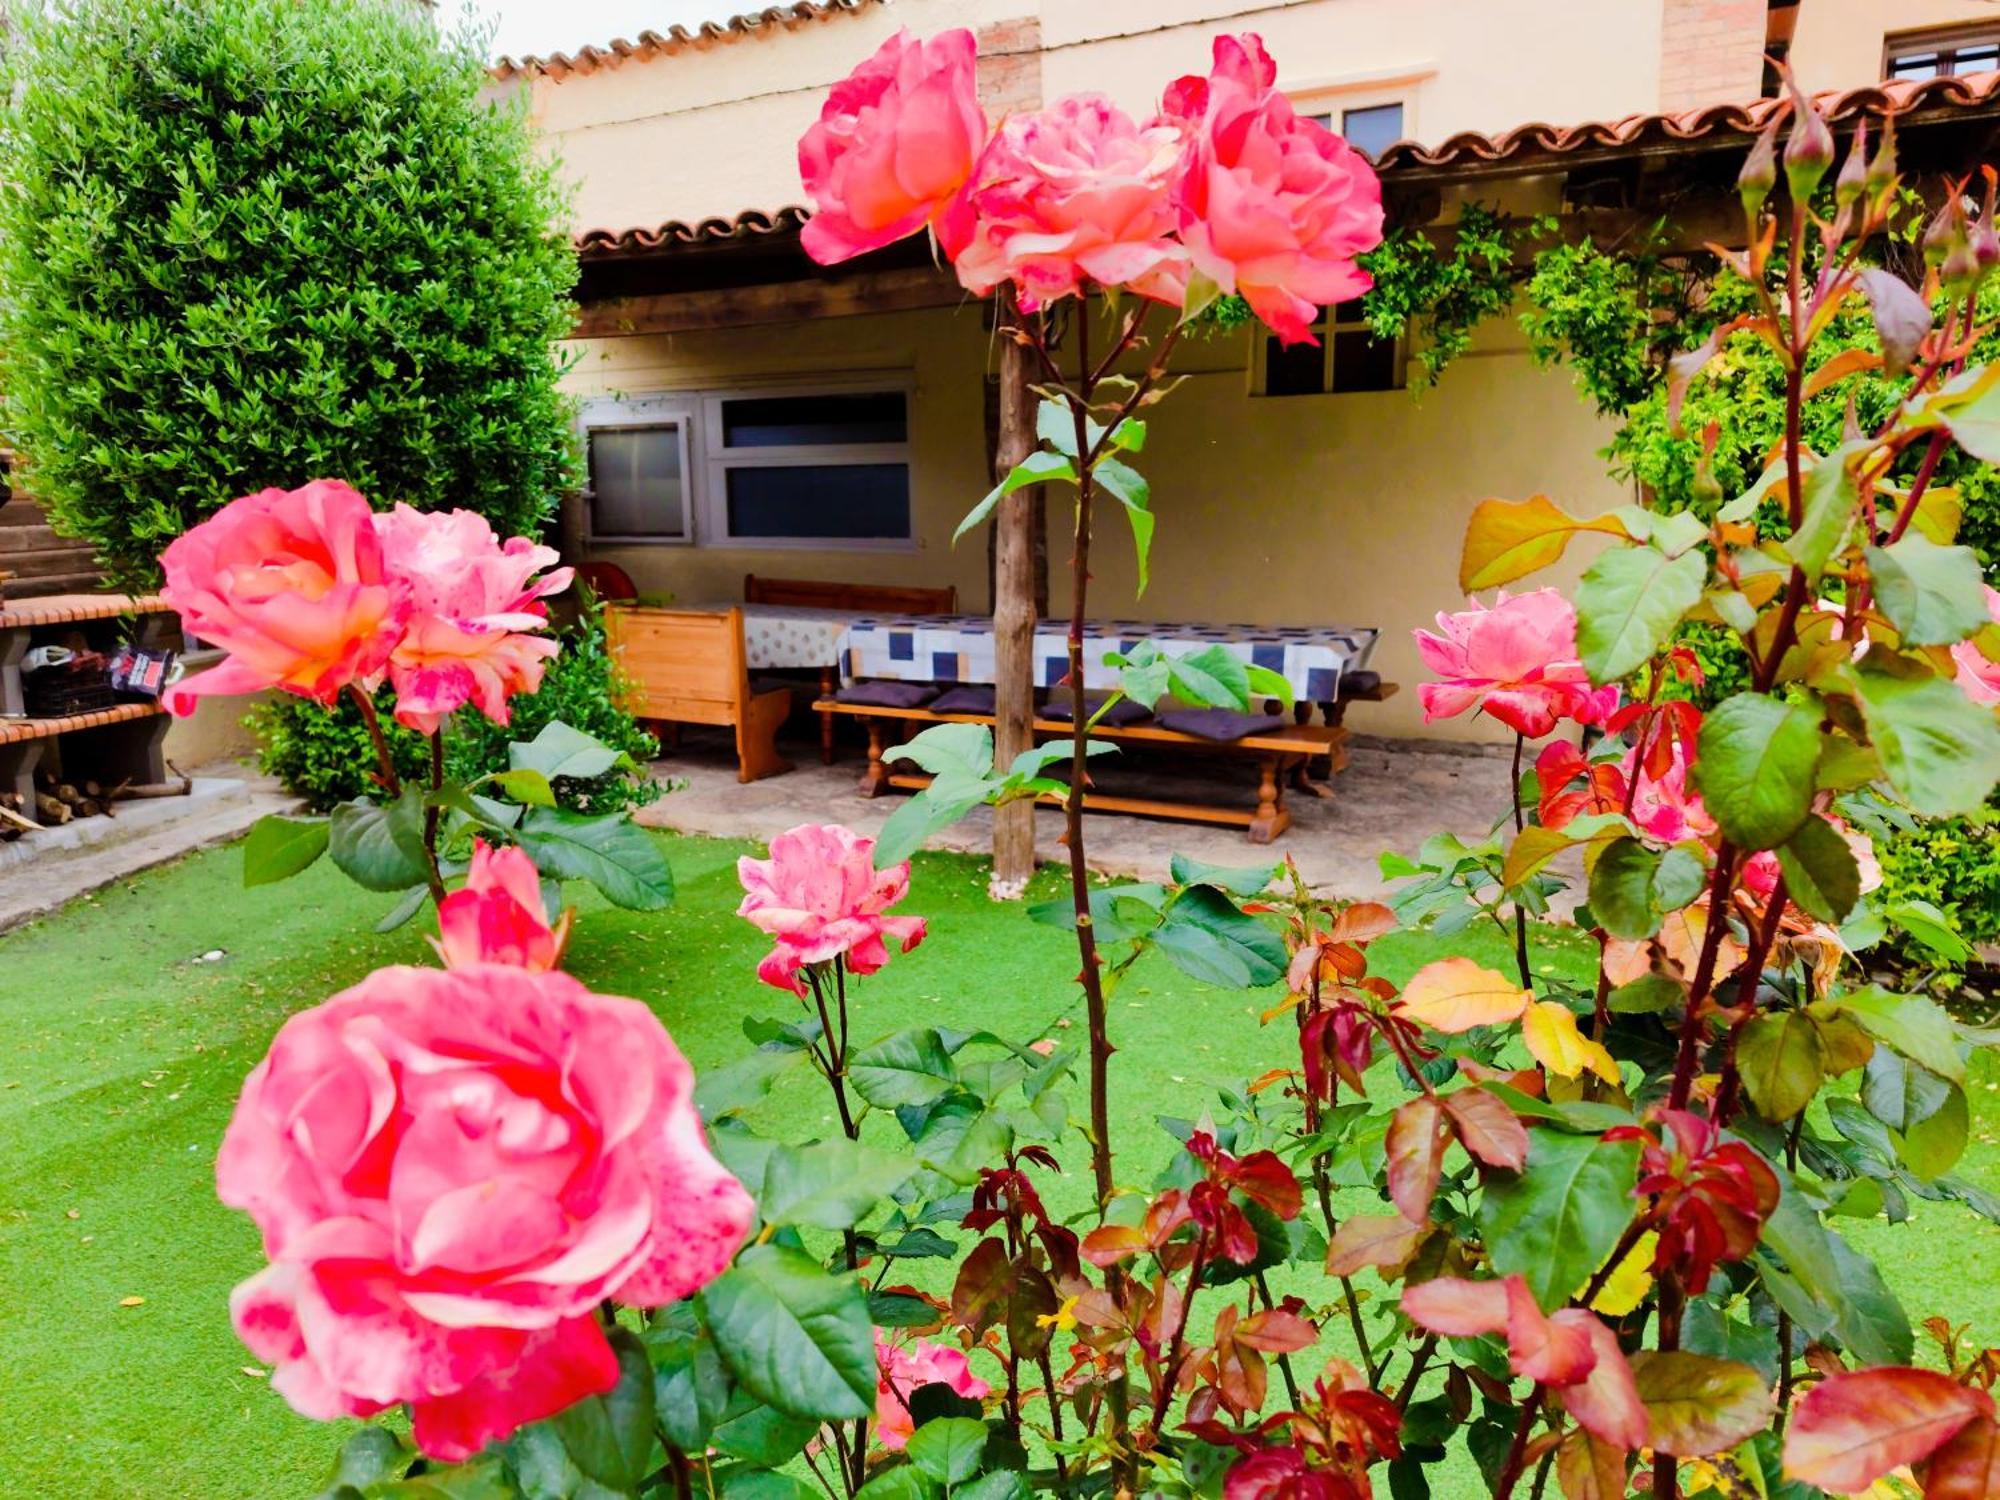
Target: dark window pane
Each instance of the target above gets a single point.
(1362, 362)
(1978, 59)
(1373, 130)
(1914, 65)
(820, 500)
(636, 484)
(1297, 371)
(1350, 312)
(797, 421)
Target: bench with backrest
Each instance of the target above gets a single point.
(1278, 753)
(684, 666)
(861, 599)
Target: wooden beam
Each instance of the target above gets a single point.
(1014, 612)
(776, 302)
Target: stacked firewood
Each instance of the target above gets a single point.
(58, 801)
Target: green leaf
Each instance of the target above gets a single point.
(691, 1385)
(1003, 1484)
(958, 1136)
(610, 1437)
(279, 847)
(1236, 880)
(1556, 1221)
(371, 1455)
(408, 906)
(741, 1083)
(900, 1310)
(611, 852)
(1939, 749)
(909, 1067)
(1832, 1290)
(1829, 499)
(830, 1185)
(380, 846)
(1129, 488)
(1629, 602)
(1647, 995)
(1933, 595)
(1209, 939)
(948, 1449)
(1697, 1405)
(1974, 424)
(797, 1338)
(936, 807)
(1213, 677)
(1820, 871)
(740, 1483)
(1129, 436)
(1928, 926)
(1755, 766)
(1037, 468)
(903, 1482)
(1633, 885)
(762, 1434)
(1203, 292)
(560, 751)
(1055, 425)
(1781, 1062)
(530, 788)
(1915, 1026)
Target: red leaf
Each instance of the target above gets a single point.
(1487, 1128)
(1415, 1146)
(1384, 1240)
(1967, 1467)
(1854, 1427)
(1276, 1331)
(1108, 1244)
(1607, 1401)
(985, 1281)
(1548, 1351)
(1263, 1177)
(1363, 922)
(1457, 1308)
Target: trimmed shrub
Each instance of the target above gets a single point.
(255, 242)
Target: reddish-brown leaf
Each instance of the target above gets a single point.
(1456, 994)
(1588, 1468)
(1384, 1240)
(1415, 1146)
(1697, 1405)
(1607, 1401)
(1275, 1331)
(1108, 1244)
(1854, 1427)
(985, 1280)
(1456, 1307)
(1363, 922)
(1968, 1466)
(1547, 1350)
(1487, 1128)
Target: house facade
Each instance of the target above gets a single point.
(746, 412)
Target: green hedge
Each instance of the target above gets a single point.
(255, 242)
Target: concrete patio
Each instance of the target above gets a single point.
(1394, 795)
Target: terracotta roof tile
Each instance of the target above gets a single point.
(1522, 149)
(767, 22)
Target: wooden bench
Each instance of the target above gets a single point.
(862, 599)
(684, 666)
(1276, 753)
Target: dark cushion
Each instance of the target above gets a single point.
(1360, 684)
(762, 685)
(881, 694)
(1218, 723)
(971, 699)
(1123, 712)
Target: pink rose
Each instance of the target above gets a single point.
(293, 585)
(474, 607)
(894, 143)
(1761, 870)
(1978, 673)
(1272, 206)
(1665, 805)
(451, 1170)
(1517, 661)
(821, 897)
(1074, 193)
(497, 916)
(904, 1370)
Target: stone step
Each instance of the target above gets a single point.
(32, 536)
(42, 587)
(45, 562)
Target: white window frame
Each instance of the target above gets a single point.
(610, 413)
(718, 459)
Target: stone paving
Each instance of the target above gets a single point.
(1394, 795)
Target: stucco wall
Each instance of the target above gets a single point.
(1339, 509)
(1838, 43)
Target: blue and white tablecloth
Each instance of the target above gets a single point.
(959, 648)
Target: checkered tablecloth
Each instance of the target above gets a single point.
(959, 648)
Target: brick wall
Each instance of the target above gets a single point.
(1711, 52)
(1010, 66)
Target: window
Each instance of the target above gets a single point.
(774, 468)
(637, 456)
(1372, 130)
(1349, 358)
(1942, 54)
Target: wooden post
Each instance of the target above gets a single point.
(1014, 613)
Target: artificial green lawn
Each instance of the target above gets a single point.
(124, 1053)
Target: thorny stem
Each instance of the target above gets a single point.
(1520, 911)
(1419, 1362)
(1055, 1412)
(1746, 1001)
(1517, 1451)
(1323, 1190)
(1171, 1371)
(1785, 1318)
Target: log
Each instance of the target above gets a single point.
(49, 810)
(13, 824)
(134, 791)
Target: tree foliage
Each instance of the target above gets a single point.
(246, 241)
